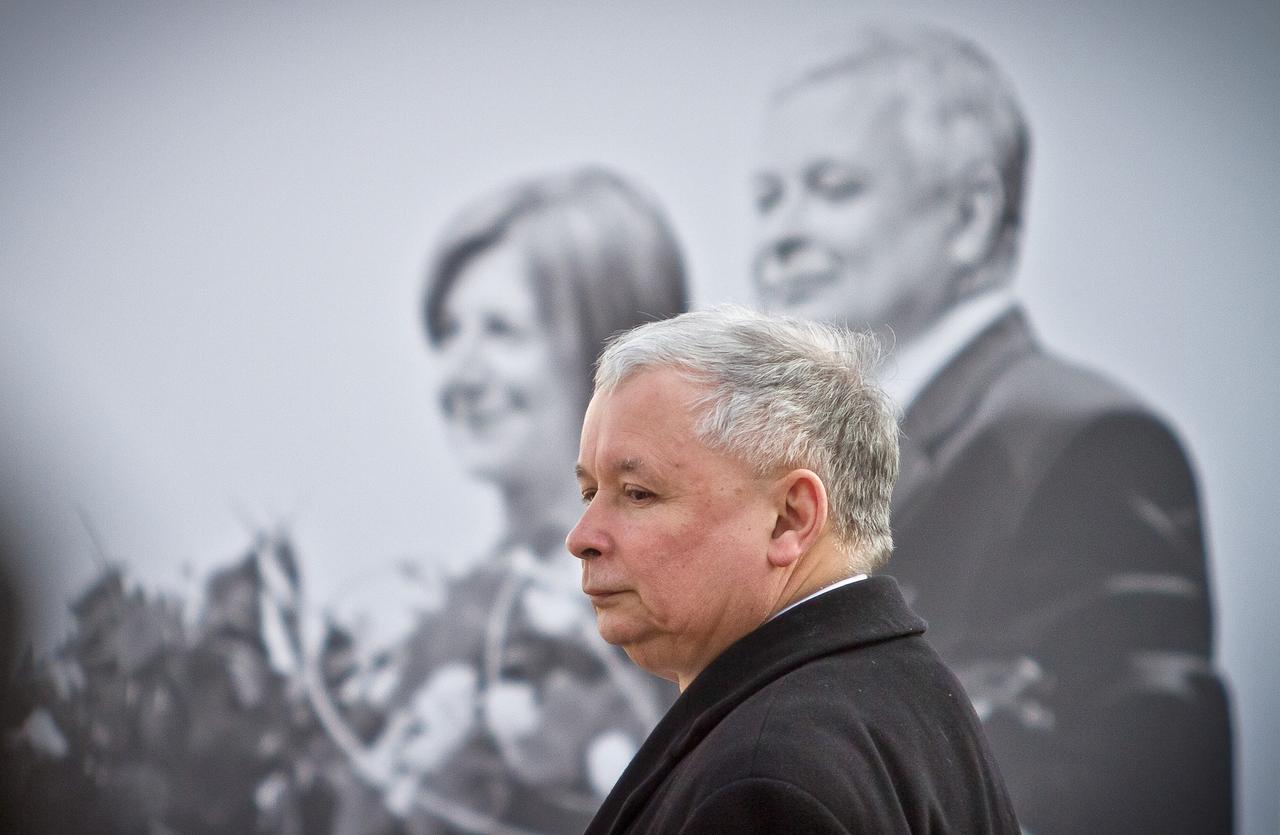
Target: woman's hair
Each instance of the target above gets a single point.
(600, 256)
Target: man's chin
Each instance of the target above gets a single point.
(611, 632)
(618, 629)
(782, 290)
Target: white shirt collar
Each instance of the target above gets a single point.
(846, 581)
(912, 366)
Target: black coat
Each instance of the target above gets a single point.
(835, 717)
(1047, 526)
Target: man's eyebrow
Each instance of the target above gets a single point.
(624, 465)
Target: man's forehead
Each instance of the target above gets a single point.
(639, 425)
(835, 121)
(659, 392)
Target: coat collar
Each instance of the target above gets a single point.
(861, 613)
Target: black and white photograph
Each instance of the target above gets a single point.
(302, 311)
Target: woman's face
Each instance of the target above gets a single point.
(511, 406)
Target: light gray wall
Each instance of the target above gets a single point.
(212, 218)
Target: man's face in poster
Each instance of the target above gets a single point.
(854, 218)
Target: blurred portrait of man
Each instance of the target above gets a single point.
(1046, 521)
(737, 470)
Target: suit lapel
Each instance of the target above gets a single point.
(864, 612)
(949, 401)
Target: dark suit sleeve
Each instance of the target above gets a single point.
(1110, 584)
(764, 806)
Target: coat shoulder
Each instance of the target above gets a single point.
(878, 737)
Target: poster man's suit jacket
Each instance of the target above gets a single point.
(1047, 527)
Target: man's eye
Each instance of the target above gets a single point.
(835, 182)
(588, 495)
(637, 494)
(768, 192)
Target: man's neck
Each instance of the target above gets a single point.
(914, 364)
(816, 570)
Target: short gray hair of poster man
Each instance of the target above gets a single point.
(783, 393)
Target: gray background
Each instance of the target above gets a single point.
(213, 218)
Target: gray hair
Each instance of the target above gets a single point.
(783, 393)
(958, 108)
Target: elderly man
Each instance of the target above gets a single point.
(1047, 522)
(737, 471)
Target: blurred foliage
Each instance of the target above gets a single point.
(139, 722)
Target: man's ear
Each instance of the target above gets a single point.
(800, 498)
(978, 217)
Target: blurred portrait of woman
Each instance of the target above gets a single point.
(505, 711)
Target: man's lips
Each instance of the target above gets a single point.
(601, 596)
(795, 278)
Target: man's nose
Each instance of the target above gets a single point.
(586, 540)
